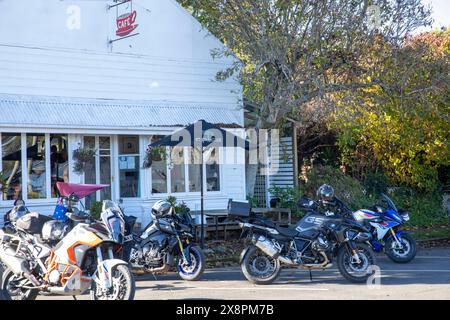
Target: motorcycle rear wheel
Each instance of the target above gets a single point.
(8, 292)
(124, 286)
(260, 268)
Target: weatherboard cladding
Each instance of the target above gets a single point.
(57, 112)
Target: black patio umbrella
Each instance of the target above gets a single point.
(201, 135)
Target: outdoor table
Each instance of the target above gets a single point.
(215, 214)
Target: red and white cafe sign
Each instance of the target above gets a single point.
(126, 23)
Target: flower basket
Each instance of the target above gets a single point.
(154, 154)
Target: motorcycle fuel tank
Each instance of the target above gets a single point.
(313, 221)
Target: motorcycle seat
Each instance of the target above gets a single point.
(287, 232)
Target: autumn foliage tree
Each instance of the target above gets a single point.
(400, 125)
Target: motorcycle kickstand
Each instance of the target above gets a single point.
(74, 298)
(310, 275)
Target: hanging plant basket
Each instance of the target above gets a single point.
(154, 154)
(81, 157)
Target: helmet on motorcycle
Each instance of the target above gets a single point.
(161, 209)
(325, 193)
(16, 213)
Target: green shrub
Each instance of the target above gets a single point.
(96, 210)
(348, 189)
(288, 197)
(425, 208)
(179, 207)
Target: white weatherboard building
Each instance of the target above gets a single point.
(82, 73)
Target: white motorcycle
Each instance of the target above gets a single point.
(43, 256)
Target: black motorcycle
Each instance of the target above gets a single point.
(165, 241)
(313, 243)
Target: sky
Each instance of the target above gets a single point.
(441, 13)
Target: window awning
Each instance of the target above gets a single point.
(76, 113)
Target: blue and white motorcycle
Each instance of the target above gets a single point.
(384, 221)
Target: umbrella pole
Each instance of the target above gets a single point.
(202, 229)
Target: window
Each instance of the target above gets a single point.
(159, 172)
(59, 161)
(212, 169)
(194, 170)
(12, 165)
(98, 169)
(129, 168)
(177, 173)
(105, 166)
(36, 166)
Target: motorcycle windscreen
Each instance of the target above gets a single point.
(115, 227)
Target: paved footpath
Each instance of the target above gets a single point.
(426, 277)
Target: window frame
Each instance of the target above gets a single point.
(23, 151)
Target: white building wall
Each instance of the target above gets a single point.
(169, 61)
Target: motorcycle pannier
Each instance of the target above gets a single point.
(239, 208)
(32, 222)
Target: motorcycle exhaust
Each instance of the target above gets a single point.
(16, 264)
(266, 246)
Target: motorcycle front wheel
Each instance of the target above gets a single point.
(194, 270)
(123, 287)
(352, 269)
(258, 267)
(403, 252)
(9, 289)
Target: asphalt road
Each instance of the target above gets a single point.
(426, 277)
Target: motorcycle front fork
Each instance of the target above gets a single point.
(354, 252)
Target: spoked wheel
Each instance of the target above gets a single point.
(356, 269)
(402, 252)
(194, 270)
(10, 288)
(123, 287)
(258, 267)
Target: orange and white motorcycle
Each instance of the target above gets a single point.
(43, 257)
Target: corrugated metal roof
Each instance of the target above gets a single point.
(61, 112)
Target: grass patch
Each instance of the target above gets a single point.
(432, 234)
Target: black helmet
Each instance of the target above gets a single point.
(161, 209)
(325, 193)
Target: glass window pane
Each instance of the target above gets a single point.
(105, 177)
(59, 161)
(159, 172)
(194, 170)
(89, 170)
(177, 172)
(129, 167)
(35, 154)
(212, 170)
(12, 165)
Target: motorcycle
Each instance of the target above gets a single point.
(43, 256)
(313, 243)
(384, 221)
(165, 241)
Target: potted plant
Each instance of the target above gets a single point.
(82, 156)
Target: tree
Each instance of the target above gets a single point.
(401, 124)
(293, 54)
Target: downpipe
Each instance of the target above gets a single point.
(16, 264)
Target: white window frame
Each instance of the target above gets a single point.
(97, 161)
(24, 165)
(187, 192)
